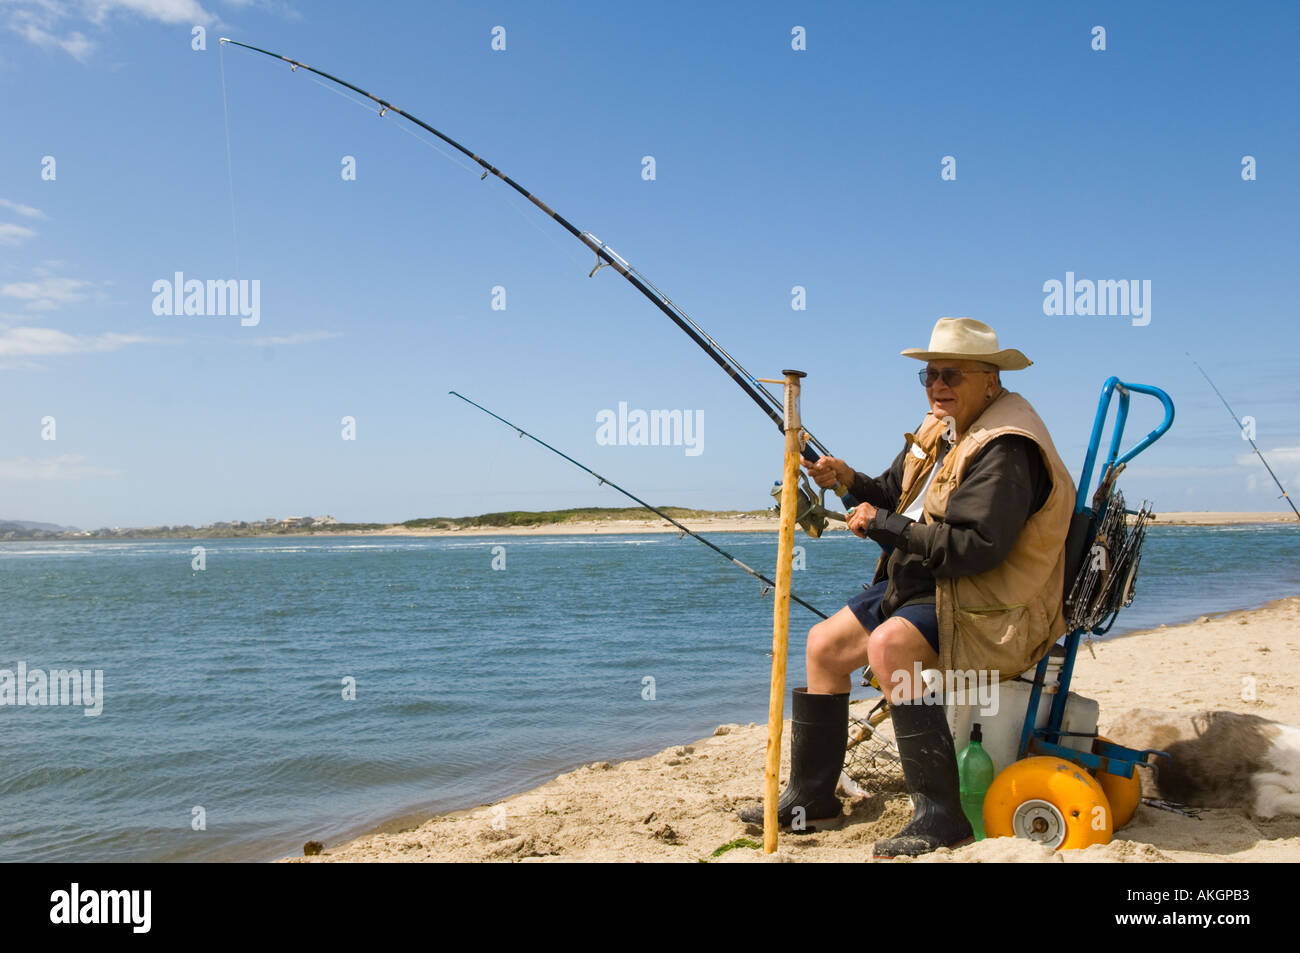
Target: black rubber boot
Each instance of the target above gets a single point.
(819, 732)
(930, 769)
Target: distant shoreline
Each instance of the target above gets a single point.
(767, 524)
(720, 523)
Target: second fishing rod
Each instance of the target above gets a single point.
(636, 499)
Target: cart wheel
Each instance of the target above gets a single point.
(1122, 793)
(1048, 800)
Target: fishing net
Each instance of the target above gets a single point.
(1107, 580)
(871, 759)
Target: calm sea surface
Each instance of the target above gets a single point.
(223, 689)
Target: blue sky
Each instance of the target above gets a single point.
(774, 168)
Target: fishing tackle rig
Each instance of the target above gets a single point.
(606, 257)
(1107, 581)
(605, 481)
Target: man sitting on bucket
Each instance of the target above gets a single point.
(973, 516)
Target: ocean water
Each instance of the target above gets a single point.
(225, 733)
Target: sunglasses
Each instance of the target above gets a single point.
(952, 376)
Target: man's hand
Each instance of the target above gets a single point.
(828, 471)
(858, 518)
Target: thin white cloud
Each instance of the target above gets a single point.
(302, 337)
(277, 7)
(51, 23)
(1278, 456)
(1284, 461)
(15, 234)
(21, 209)
(38, 342)
(1147, 472)
(66, 467)
(37, 23)
(46, 294)
(164, 11)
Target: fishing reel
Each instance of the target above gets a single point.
(810, 506)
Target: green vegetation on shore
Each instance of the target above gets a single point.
(309, 526)
(589, 514)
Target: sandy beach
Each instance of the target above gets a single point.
(679, 804)
(759, 524)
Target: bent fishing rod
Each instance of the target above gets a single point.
(1237, 421)
(604, 481)
(605, 257)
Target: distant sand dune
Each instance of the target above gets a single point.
(759, 524)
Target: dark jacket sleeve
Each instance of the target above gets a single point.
(1002, 487)
(884, 490)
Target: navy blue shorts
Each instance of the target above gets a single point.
(866, 606)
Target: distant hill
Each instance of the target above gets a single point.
(294, 525)
(28, 525)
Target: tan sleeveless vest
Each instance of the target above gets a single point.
(1007, 618)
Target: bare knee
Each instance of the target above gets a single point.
(888, 650)
(897, 652)
(820, 646)
(837, 645)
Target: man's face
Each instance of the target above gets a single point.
(964, 401)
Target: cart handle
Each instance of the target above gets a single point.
(1108, 390)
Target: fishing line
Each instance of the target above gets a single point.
(607, 482)
(376, 111)
(342, 95)
(380, 113)
(230, 167)
(509, 200)
(776, 402)
(505, 196)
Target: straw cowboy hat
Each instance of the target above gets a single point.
(965, 339)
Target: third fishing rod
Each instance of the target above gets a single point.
(1248, 437)
(605, 257)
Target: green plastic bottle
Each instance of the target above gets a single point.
(975, 774)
